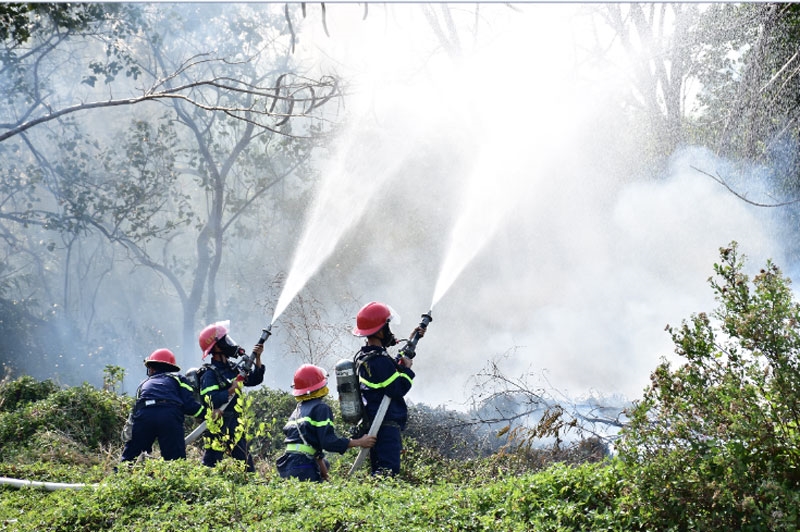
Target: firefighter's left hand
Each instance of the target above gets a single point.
(418, 330)
(257, 350)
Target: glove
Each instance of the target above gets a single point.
(405, 361)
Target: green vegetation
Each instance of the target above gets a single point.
(712, 445)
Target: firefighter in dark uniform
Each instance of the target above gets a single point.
(220, 386)
(309, 431)
(161, 402)
(381, 375)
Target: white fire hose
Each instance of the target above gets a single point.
(48, 486)
(373, 431)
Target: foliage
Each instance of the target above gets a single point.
(112, 377)
(749, 91)
(67, 422)
(19, 392)
(714, 442)
(273, 407)
(183, 495)
(451, 434)
(19, 20)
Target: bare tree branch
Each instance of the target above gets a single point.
(722, 182)
(302, 93)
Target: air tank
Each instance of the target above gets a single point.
(349, 391)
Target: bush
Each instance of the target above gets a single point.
(90, 418)
(17, 393)
(714, 443)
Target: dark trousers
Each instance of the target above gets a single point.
(300, 466)
(158, 422)
(385, 456)
(239, 452)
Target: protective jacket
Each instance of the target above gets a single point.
(215, 383)
(161, 402)
(379, 374)
(169, 388)
(310, 430)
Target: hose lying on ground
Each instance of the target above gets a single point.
(48, 486)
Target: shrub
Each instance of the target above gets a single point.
(17, 393)
(713, 444)
(90, 418)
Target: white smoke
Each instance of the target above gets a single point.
(572, 250)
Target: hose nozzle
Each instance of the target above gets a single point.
(409, 350)
(265, 333)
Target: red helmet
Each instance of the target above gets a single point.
(371, 318)
(308, 378)
(209, 336)
(162, 356)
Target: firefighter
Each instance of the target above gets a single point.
(161, 402)
(220, 385)
(309, 431)
(381, 375)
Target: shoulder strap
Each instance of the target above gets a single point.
(217, 373)
(360, 360)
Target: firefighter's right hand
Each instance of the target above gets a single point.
(235, 385)
(365, 441)
(405, 361)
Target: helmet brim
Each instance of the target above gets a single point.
(310, 389)
(367, 332)
(173, 367)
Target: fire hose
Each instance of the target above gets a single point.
(48, 486)
(245, 367)
(408, 350)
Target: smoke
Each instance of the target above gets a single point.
(487, 171)
(526, 210)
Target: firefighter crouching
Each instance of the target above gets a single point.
(161, 402)
(221, 383)
(381, 375)
(309, 431)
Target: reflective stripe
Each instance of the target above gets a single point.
(385, 383)
(209, 389)
(198, 412)
(301, 448)
(312, 422)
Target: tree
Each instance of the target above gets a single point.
(715, 440)
(314, 334)
(660, 42)
(750, 82)
(209, 146)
